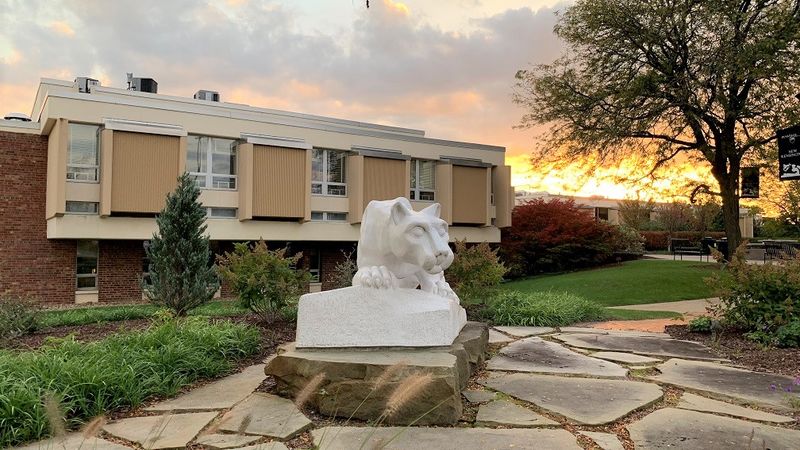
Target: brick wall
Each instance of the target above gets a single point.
(332, 254)
(30, 264)
(119, 269)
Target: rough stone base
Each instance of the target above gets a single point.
(350, 376)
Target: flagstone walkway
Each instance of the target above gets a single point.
(573, 388)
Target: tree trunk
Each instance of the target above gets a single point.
(728, 179)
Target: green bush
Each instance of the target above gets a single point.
(123, 370)
(627, 241)
(758, 298)
(476, 271)
(701, 324)
(18, 316)
(788, 335)
(266, 281)
(546, 309)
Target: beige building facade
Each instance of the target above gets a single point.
(113, 154)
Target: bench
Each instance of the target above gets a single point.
(685, 247)
(780, 249)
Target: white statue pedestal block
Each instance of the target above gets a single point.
(365, 317)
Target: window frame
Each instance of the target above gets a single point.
(211, 216)
(325, 184)
(93, 275)
(325, 216)
(415, 191)
(81, 213)
(209, 174)
(315, 259)
(95, 166)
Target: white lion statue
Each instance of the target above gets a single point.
(400, 247)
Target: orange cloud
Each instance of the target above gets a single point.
(13, 58)
(62, 28)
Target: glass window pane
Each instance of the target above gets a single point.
(87, 282)
(316, 215)
(200, 180)
(426, 176)
(336, 163)
(82, 144)
(196, 154)
(427, 196)
(316, 165)
(81, 173)
(223, 183)
(226, 213)
(337, 189)
(316, 188)
(82, 207)
(223, 157)
(411, 195)
(86, 263)
(337, 216)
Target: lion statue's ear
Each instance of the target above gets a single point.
(434, 210)
(399, 212)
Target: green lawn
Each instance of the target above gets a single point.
(83, 316)
(629, 283)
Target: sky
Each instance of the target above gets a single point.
(445, 66)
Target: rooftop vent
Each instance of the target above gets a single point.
(17, 116)
(86, 84)
(142, 84)
(211, 96)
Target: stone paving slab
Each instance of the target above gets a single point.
(220, 441)
(583, 400)
(639, 345)
(157, 432)
(506, 414)
(414, 438)
(73, 441)
(703, 404)
(496, 337)
(727, 381)
(268, 415)
(476, 396)
(537, 355)
(606, 441)
(625, 358)
(525, 331)
(221, 394)
(677, 429)
(586, 330)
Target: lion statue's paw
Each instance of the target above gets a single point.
(378, 277)
(443, 289)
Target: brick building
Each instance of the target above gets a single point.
(85, 177)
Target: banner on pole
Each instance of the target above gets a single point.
(750, 182)
(789, 153)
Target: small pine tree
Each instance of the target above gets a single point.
(181, 277)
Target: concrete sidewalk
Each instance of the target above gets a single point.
(685, 307)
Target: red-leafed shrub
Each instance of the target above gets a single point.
(551, 236)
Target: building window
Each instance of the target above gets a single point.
(212, 162)
(82, 159)
(314, 265)
(328, 172)
(601, 214)
(328, 216)
(86, 273)
(221, 213)
(81, 207)
(423, 180)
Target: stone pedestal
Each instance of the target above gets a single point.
(364, 317)
(351, 375)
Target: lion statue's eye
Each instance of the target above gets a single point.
(418, 231)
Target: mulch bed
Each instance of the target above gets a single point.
(748, 354)
(83, 333)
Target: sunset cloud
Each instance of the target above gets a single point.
(62, 28)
